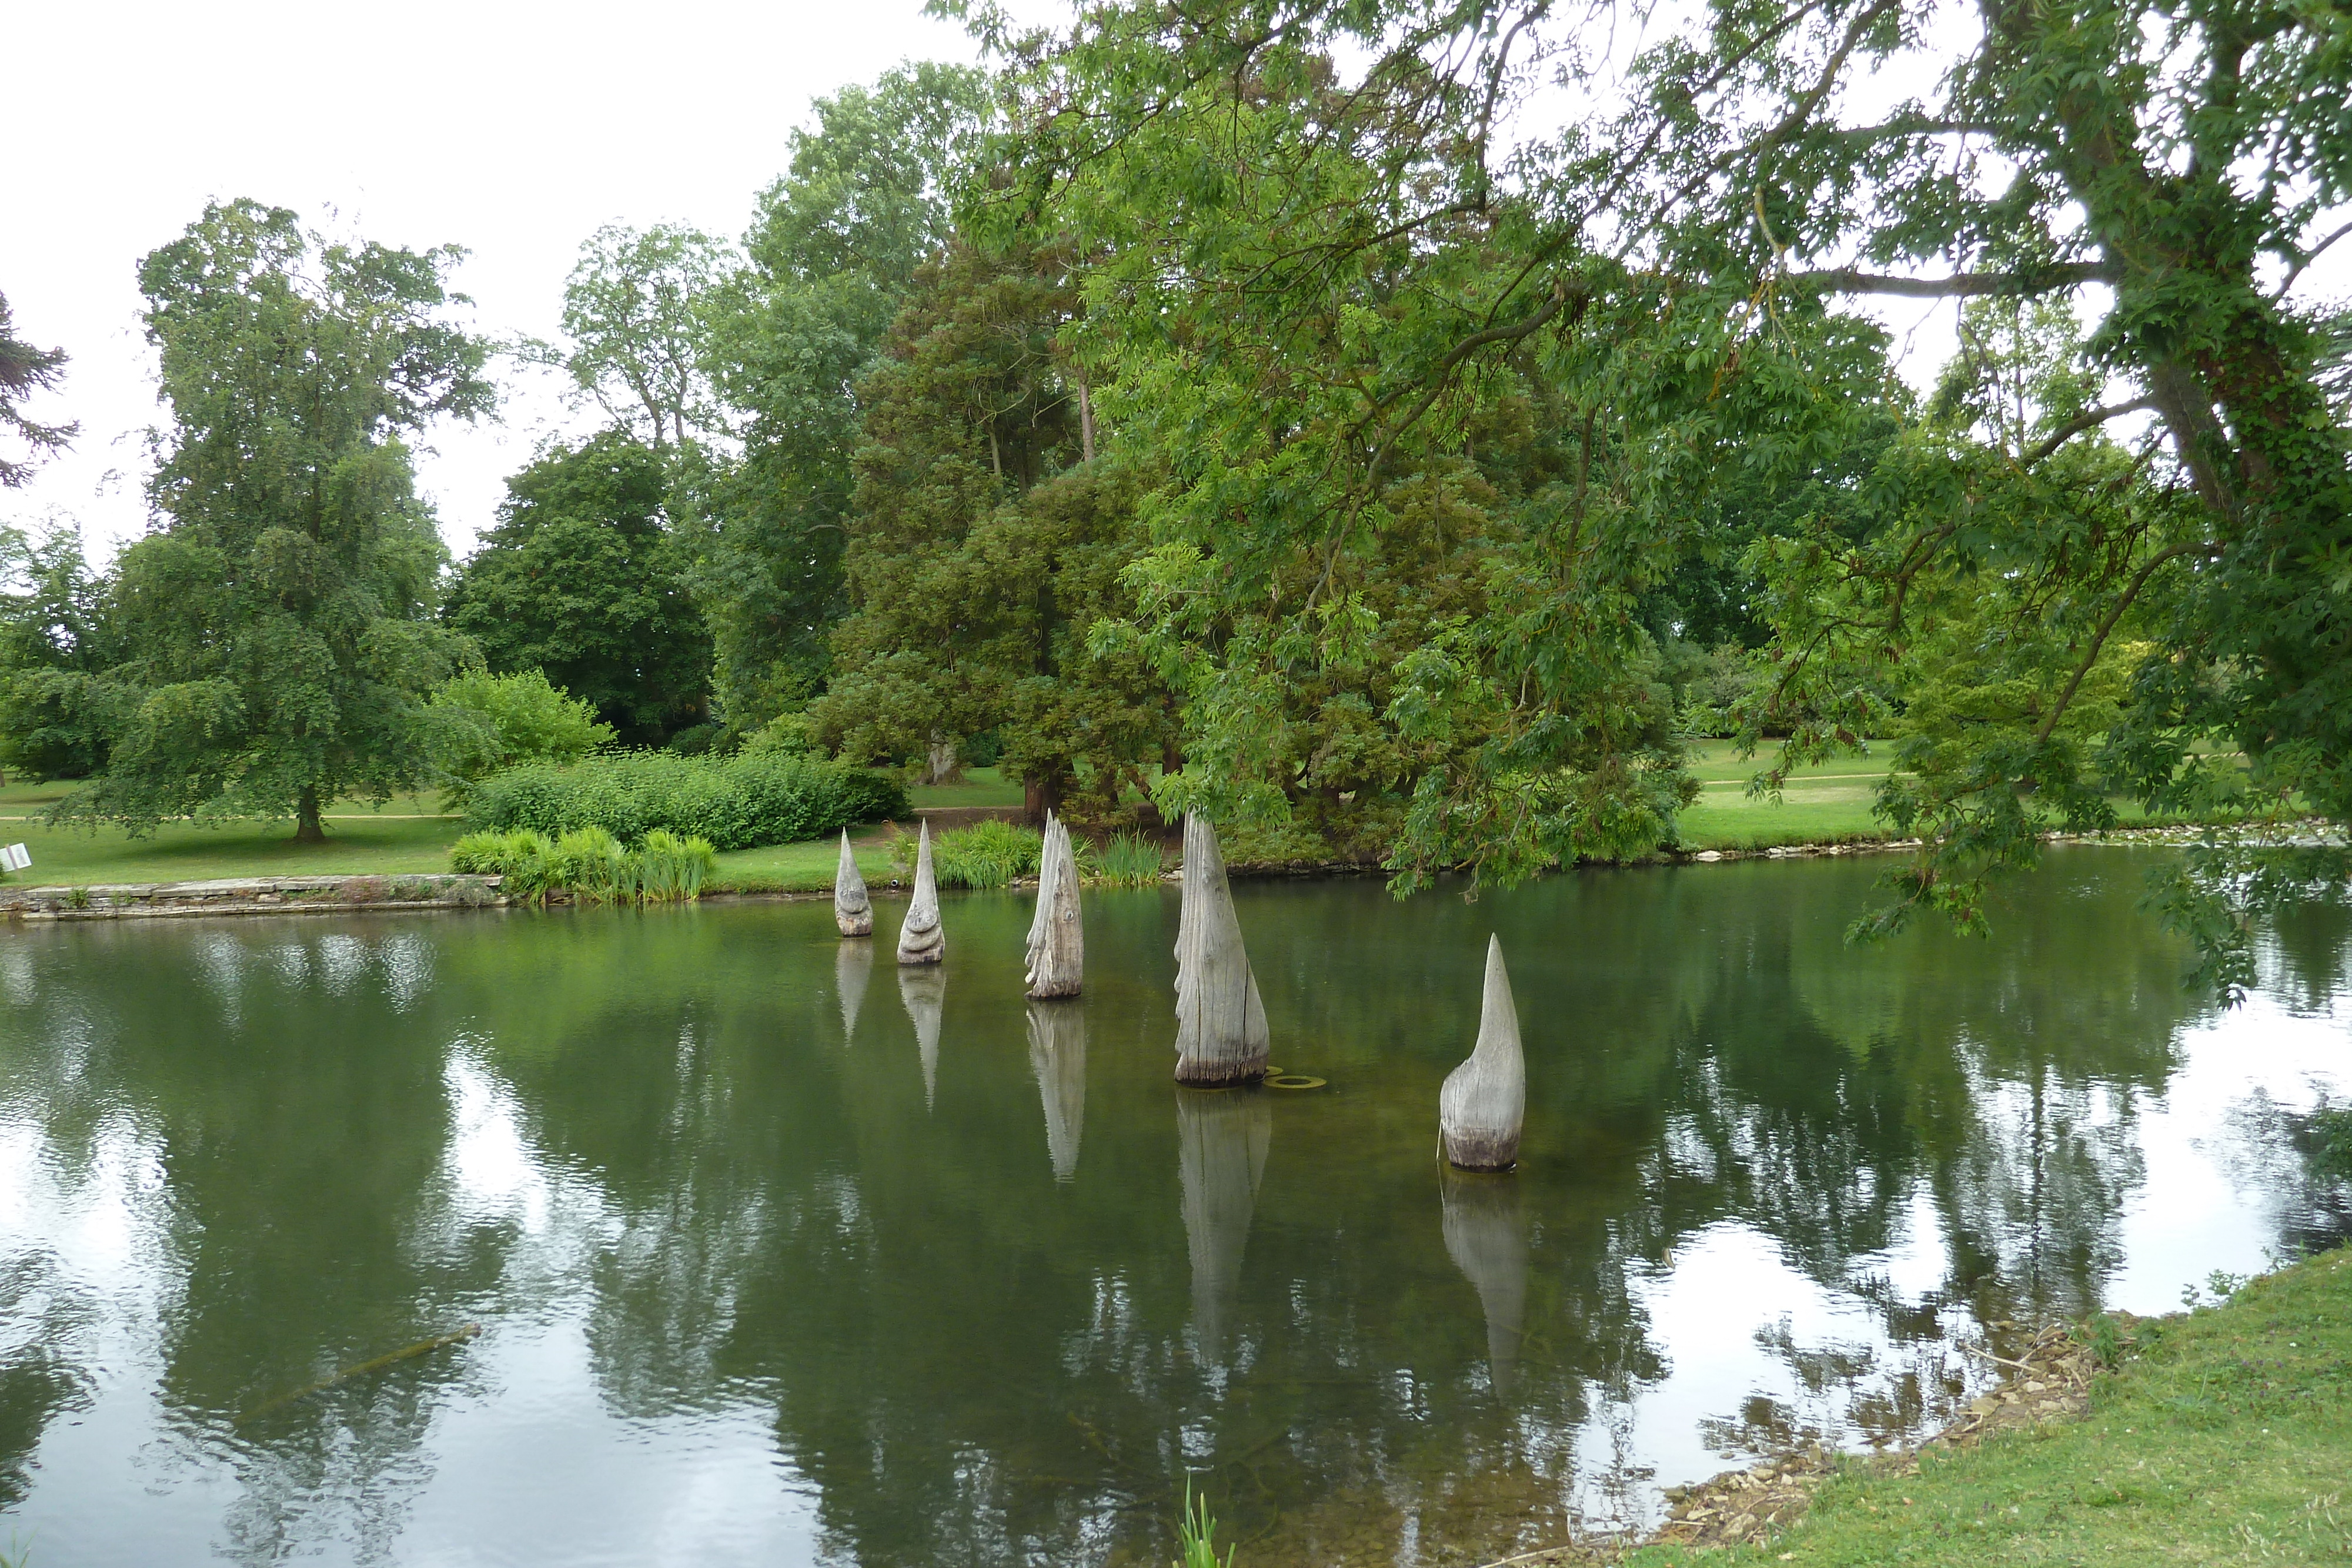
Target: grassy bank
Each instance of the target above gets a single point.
(2224, 1436)
(1825, 804)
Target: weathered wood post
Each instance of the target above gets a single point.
(1221, 1036)
(923, 988)
(1486, 1236)
(853, 911)
(1220, 1157)
(853, 969)
(920, 939)
(1057, 1055)
(1057, 941)
(1483, 1101)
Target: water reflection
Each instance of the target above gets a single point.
(923, 987)
(1221, 1142)
(1057, 1055)
(1486, 1236)
(853, 971)
(740, 1295)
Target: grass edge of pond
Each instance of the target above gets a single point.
(2226, 1435)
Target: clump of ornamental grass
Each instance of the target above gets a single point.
(1126, 860)
(590, 865)
(984, 855)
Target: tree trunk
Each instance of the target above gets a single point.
(306, 829)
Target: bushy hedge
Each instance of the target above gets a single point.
(738, 803)
(589, 865)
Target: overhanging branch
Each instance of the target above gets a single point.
(1962, 285)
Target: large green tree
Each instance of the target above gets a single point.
(1367, 251)
(584, 578)
(864, 201)
(983, 549)
(274, 635)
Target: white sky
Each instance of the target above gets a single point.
(513, 129)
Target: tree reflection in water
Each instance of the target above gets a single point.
(632, 1144)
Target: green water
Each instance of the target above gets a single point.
(758, 1287)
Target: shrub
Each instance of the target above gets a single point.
(742, 801)
(1129, 860)
(488, 722)
(592, 865)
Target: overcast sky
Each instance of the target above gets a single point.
(511, 129)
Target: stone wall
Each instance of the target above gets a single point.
(248, 896)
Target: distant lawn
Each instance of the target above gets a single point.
(75, 857)
(981, 787)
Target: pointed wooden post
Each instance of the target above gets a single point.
(1483, 1101)
(1486, 1236)
(1221, 1036)
(923, 989)
(1221, 1141)
(1057, 942)
(1057, 1055)
(853, 969)
(853, 911)
(920, 940)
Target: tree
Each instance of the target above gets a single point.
(55, 641)
(630, 311)
(2190, 160)
(23, 371)
(274, 637)
(864, 201)
(584, 578)
(982, 550)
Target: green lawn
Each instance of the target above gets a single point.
(981, 787)
(2227, 1437)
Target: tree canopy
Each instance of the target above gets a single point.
(584, 578)
(24, 370)
(273, 640)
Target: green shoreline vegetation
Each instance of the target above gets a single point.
(1828, 803)
(2221, 1434)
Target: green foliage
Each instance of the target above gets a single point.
(631, 312)
(272, 643)
(55, 641)
(1196, 1536)
(983, 549)
(24, 370)
(583, 579)
(2329, 1136)
(986, 856)
(516, 718)
(736, 803)
(589, 865)
(834, 249)
(1124, 860)
(1319, 292)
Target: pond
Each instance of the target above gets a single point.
(781, 1256)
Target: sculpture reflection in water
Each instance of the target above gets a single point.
(1057, 1054)
(1222, 1138)
(1487, 1237)
(853, 971)
(924, 988)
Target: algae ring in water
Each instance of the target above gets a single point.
(1292, 1081)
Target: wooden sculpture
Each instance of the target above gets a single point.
(1220, 1037)
(1057, 943)
(920, 940)
(1484, 1101)
(852, 910)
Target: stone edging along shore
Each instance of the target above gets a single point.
(249, 895)
(298, 895)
